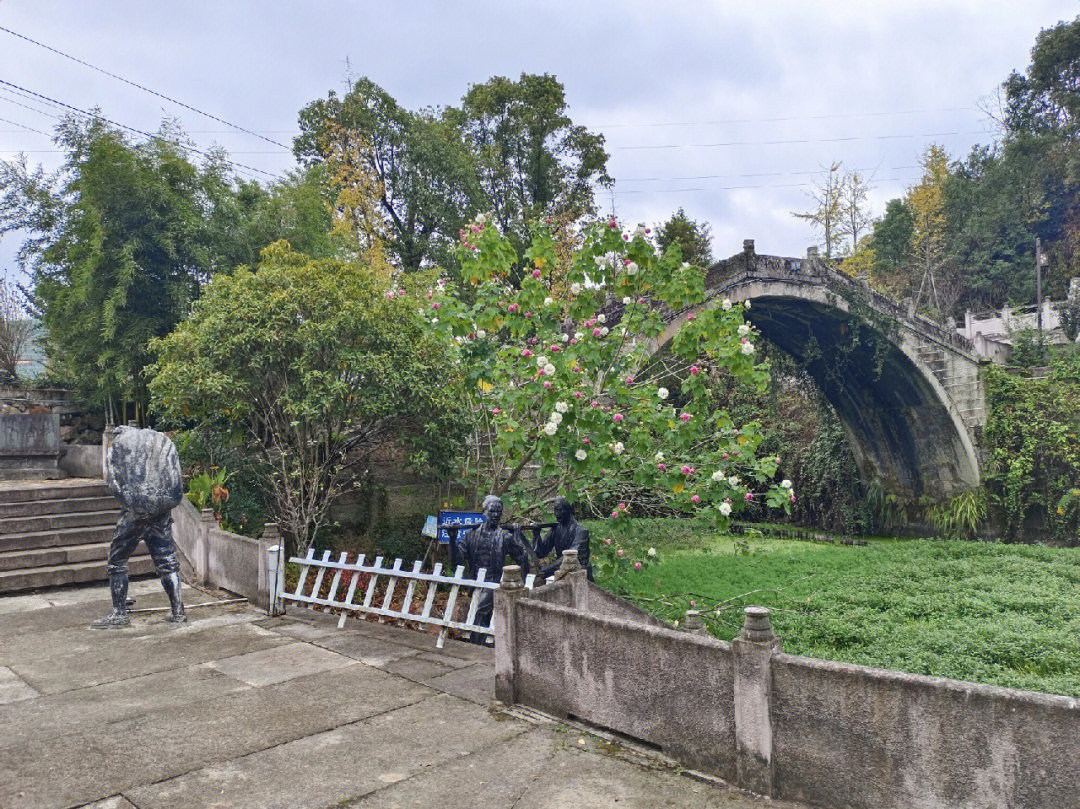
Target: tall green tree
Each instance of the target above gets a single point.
(893, 234)
(313, 367)
(694, 239)
(530, 158)
(119, 244)
(414, 164)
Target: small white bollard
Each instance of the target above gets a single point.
(275, 574)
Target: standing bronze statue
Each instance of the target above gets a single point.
(143, 471)
(568, 534)
(487, 546)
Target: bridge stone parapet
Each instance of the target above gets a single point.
(911, 400)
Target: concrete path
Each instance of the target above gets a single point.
(238, 710)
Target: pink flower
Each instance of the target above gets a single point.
(596, 332)
(746, 339)
(614, 515)
(693, 471)
(724, 456)
(694, 370)
(695, 499)
(607, 540)
(691, 317)
(619, 552)
(577, 368)
(401, 293)
(528, 315)
(512, 307)
(495, 411)
(584, 440)
(685, 416)
(749, 496)
(590, 323)
(727, 500)
(526, 353)
(641, 300)
(648, 230)
(533, 341)
(685, 470)
(629, 380)
(736, 431)
(594, 403)
(622, 506)
(555, 348)
(661, 467)
(625, 237)
(539, 371)
(626, 262)
(474, 228)
(617, 418)
(429, 296)
(435, 305)
(389, 295)
(536, 273)
(693, 603)
(547, 385)
(637, 565)
(612, 224)
(792, 498)
(573, 341)
(547, 219)
(577, 394)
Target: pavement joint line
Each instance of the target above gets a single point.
(525, 791)
(206, 764)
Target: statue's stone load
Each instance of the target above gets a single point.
(143, 471)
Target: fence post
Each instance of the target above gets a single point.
(511, 588)
(274, 560)
(202, 560)
(753, 649)
(693, 624)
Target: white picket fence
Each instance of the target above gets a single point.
(308, 589)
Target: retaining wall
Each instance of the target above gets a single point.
(230, 561)
(832, 734)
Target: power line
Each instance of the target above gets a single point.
(141, 87)
(23, 126)
(729, 176)
(795, 140)
(743, 187)
(91, 115)
(781, 119)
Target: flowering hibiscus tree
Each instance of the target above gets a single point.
(558, 372)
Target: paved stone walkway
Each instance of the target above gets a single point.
(238, 710)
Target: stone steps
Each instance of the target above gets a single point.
(58, 575)
(57, 532)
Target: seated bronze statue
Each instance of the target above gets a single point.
(567, 534)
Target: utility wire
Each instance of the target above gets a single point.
(23, 126)
(742, 187)
(777, 120)
(91, 115)
(730, 176)
(795, 140)
(141, 87)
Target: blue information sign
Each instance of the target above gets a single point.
(467, 519)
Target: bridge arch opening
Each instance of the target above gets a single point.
(900, 424)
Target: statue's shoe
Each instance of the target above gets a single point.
(176, 619)
(115, 621)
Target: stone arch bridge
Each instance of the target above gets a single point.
(910, 400)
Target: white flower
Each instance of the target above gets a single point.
(562, 407)
(718, 475)
(632, 268)
(659, 456)
(481, 219)
(733, 480)
(549, 369)
(685, 265)
(578, 335)
(459, 340)
(556, 418)
(541, 361)
(581, 455)
(725, 509)
(434, 320)
(651, 551)
(601, 261)
(622, 331)
(662, 393)
(626, 301)
(566, 338)
(481, 334)
(746, 304)
(725, 304)
(785, 483)
(548, 301)
(639, 231)
(618, 448)
(575, 288)
(551, 428)
(744, 329)
(604, 331)
(748, 348)
(601, 318)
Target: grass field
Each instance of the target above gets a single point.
(1005, 615)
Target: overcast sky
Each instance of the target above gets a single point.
(728, 109)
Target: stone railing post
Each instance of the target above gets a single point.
(693, 624)
(271, 567)
(511, 588)
(202, 551)
(570, 568)
(753, 649)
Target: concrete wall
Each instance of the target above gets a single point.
(832, 734)
(29, 445)
(81, 460)
(222, 559)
